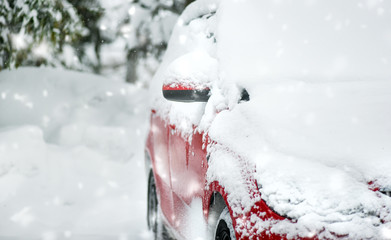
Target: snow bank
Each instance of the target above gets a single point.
(16, 144)
(71, 156)
(73, 109)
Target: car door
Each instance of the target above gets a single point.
(160, 132)
(196, 167)
(178, 154)
(188, 168)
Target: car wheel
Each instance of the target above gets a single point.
(154, 217)
(152, 204)
(224, 228)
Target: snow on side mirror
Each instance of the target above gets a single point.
(189, 77)
(185, 94)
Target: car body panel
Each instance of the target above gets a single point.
(158, 148)
(179, 165)
(278, 120)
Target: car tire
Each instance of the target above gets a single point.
(154, 215)
(224, 228)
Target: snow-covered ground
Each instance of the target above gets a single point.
(71, 156)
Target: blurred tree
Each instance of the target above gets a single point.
(136, 33)
(111, 37)
(152, 33)
(89, 45)
(36, 32)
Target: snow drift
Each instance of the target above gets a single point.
(71, 156)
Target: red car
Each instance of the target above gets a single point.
(276, 117)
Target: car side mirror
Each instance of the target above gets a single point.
(178, 93)
(189, 77)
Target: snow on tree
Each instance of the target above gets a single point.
(152, 34)
(89, 45)
(36, 32)
(121, 39)
(136, 35)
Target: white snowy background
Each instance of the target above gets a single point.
(71, 156)
(71, 144)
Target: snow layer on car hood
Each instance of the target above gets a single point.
(316, 140)
(316, 147)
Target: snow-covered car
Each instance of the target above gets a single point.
(272, 120)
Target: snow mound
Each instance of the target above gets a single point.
(16, 144)
(71, 156)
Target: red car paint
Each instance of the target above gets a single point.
(180, 87)
(180, 167)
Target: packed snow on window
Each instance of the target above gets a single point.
(71, 158)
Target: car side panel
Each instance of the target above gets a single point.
(180, 167)
(243, 225)
(178, 154)
(158, 149)
(196, 168)
(188, 168)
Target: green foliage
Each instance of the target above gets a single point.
(72, 32)
(151, 34)
(90, 13)
(34, 32)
